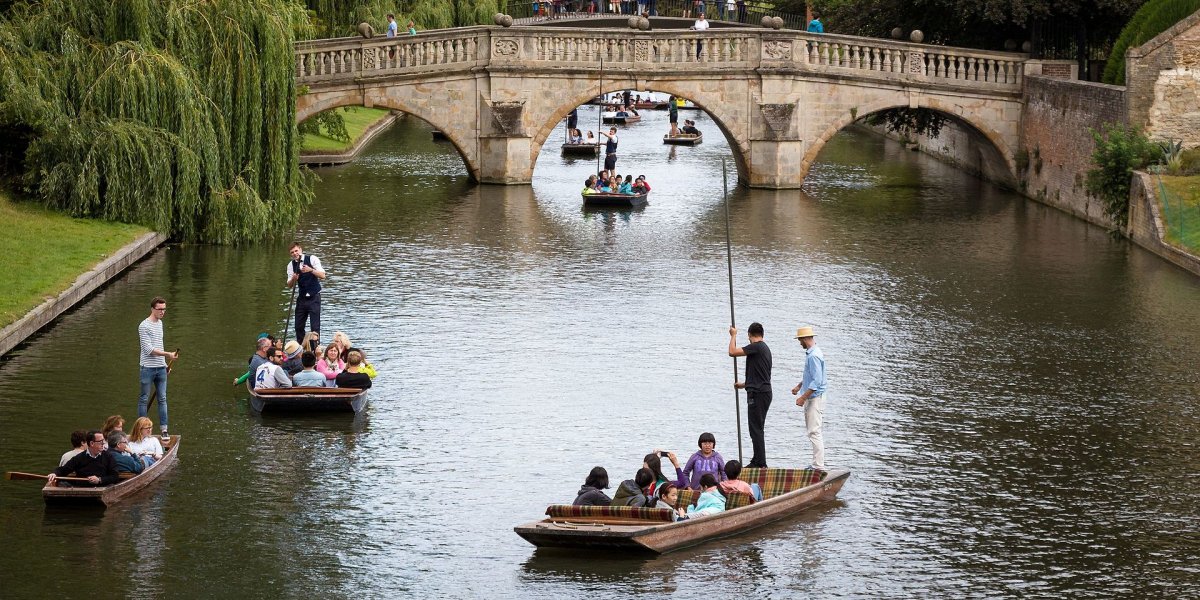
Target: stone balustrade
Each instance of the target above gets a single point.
(706, 54)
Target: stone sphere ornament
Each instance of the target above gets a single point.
(777, 23)
(1010, 44)
(917, 36)
(632, 22)
(767, 22)
(1027, 46)
(365, 30)
(507, 21)
(498, 18)
(897, 33)
(643, 24)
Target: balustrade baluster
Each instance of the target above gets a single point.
(472, 48)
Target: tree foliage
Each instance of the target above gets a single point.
(909, 121)
(1155, 17)
(336, 18)
(177, 114)
(968, 23)
(1120, 150)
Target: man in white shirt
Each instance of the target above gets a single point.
(271, 374)
(305, 272)
(153, 362)
(700, 25)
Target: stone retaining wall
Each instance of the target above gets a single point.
(1146, 227)
(341, 158)
(84, 286)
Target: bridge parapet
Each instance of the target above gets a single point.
(712, 52)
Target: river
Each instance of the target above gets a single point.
(1013, 390)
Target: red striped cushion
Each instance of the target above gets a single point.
(569, 511)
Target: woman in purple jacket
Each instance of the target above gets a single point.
(706, 460)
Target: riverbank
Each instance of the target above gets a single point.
(362, 124)
(1152, 228)
(46, 252)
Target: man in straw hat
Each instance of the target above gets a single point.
(812, 393)
(757, 386)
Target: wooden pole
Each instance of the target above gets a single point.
(737, 404)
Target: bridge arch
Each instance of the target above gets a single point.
(998, 152)
(712, 109)
(305, 110)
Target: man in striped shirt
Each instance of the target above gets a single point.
(153, 361)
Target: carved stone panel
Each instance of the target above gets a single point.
(916, 63)
(777, 50)
(370, 59)
(641, 51)
(505, 48)
(507, 118)
(778, 120)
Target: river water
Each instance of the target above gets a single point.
(1013, 391)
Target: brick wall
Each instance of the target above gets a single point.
(1056, 146)
(1163, 79)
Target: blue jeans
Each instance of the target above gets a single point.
(157, 377)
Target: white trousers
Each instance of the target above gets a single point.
(814, 412)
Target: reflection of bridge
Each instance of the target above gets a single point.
(777, 95)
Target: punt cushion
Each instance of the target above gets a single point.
(569, 511)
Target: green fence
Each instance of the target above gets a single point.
(1179, 199)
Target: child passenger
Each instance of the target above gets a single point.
(733, 468)
(706, 461)
(710, 502)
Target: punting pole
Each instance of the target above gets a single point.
(737, 409)
(291, 303)
(600, 112)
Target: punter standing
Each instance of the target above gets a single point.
(153, 362)
(812, 393)
(757, 386)
(305, 270)
(610, 151)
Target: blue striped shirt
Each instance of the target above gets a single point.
(814, 373)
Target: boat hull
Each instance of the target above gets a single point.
(615, 200)
(658, 538)
(683, 140)
(308, 400)
(581, 149)
(621, 120)
(111, 494)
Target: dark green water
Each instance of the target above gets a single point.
(1013, 391)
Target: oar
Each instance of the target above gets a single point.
(737, 410)
(19, 476)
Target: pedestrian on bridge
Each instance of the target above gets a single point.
(815, 26)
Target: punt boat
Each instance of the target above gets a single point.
(581, 149)
(308, 399)
(653, 530)
(613, 119)
(683, 139)
(108, 495)
(615, 200)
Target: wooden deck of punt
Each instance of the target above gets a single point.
(308, 399)
(581, 149)
(657, 537)
(617, 200)
(683, 139)
(615, 120)
(111, 494)
(650, 105)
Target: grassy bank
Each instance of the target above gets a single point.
(358, 120)
(1181, 210)
(46, 251)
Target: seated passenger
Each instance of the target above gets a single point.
(706, 460)
(257, 359)
(591, 493)
(143, 443)
(668, 497)
(591, 139)
(113, 423)
(118, 446)
(271, 374)
(653, 461)
(78, 444)
(626, 187)
(689, 127)
(365, 367)
(632, 492)
(733, 468)
(331, 364)
(291, 362)
(309, 377)
(94, 464)
(312, 339)
(589, 186)
(353, 377)
(710, 502)
(576, 137)
(640, 185)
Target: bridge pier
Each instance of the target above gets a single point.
(505, 160)
(776, 164)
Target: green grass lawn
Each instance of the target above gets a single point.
(46, 251)
(358, 119)
(1181, 211)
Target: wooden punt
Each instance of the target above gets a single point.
(650, 105)
(613, 119)
(617, 200)
(308, 399)
(683, 139)
(111, 494)
(601, 533)
(581, 149)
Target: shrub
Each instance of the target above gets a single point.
(1155, 17)
(1120, 150)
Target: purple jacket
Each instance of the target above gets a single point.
(698, 465)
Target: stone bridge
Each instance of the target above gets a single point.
(777, 95)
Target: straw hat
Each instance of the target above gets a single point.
(292, 348)
(806, 331)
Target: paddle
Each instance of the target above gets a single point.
(19, 476)
(732, 321)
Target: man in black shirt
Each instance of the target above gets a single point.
(352, 377)
(93, 463)
(757, 386)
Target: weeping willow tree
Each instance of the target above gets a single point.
(177, 114)
(335, 18)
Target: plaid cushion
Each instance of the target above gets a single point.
(775, 482)
(732, 500)
(568, 511)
